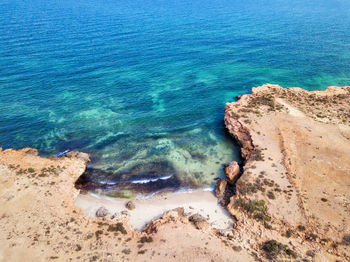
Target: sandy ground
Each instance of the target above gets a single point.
(147, 209)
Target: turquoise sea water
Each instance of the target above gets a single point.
(141, 85)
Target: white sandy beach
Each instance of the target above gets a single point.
(147, 209)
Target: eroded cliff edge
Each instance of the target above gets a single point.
(292, 198)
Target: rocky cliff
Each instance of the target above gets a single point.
(292, 199)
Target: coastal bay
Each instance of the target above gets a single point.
(290, 200)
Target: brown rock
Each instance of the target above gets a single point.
(232, 210)
(239, 131)
(101, 212)
(173, 215)
(180, 211)
(220, 188)
(232, 172)
(199, 221)
(130, 205)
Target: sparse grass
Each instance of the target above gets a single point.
(237, 248)
(146, 240)
(257, 155)
(126, 251)
(78, 248)
(119, 227)
(21, 171)
(255, 209)
(271, 195)
(268, 182)
(249, 188)
(247, 121)
(346, 239)
(289, 233)
(301, 228)
(98, 233)
(273, 249)
(310, 236)
(266, 100)
(250, 206)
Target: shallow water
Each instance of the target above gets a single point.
(141, 85)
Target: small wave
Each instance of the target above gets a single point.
(178, 191)
(144, 181)
(107, 183)
(191, 190)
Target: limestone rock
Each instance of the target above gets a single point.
(232, 172)
(101, 212)
(174, 215)
(180, 211)
(220, 188)
(239, 131)
(199, 221)
(232, 210)
(130, 205)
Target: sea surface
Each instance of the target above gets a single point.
(141, 85)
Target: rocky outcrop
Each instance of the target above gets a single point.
(220, 188)
(224, 188)
(239, 132)
(199, 221)
(177, 214)
(232, 172)
(294, 142)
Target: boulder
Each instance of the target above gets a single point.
(232, 172)
(180, 211)
(174, 215)
(101, 212)
(199, 221)
(220, 188)
(130, 205)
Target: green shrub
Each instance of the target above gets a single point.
(301, 228)
(119, 227)
(346, 239)
(274, 248)
(146, 240)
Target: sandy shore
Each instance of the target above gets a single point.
(147, 209)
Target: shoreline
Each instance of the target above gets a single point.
(289, 199)
(203, 202)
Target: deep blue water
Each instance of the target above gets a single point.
(141, 85)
